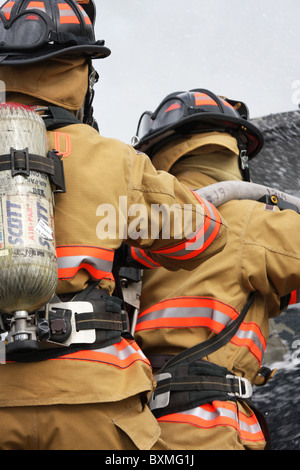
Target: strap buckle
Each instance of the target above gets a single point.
(76, 337)
(163, 399)
(22, 156)
(125, 322)
(244, 159)
(244, 387)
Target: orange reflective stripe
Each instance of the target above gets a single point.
(143, 258)
(193, 302)
(97, 261)
(217, 414)
(36, 5)
(67, 15)
(64, 6)
(69, 20)
(250, 336)
(203, 99)
(199, 241)
(202, 312)
(187, 312)
(7, 9)
(293, 299)
(71, 250)
(211, 210)
(172, 107)
(86, 17)
(180, 249)
(121, 355)
(249, 428)
(97, 274)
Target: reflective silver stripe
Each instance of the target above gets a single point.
(75, 261)
(123, 354)
(226, 415)
(30, 7)
(201, 235)
(250, 428)
(187, 312)
(143, 259)
(184, 313)
(67, 12)
(211, 415)
(189, 245)
(252, 336)
(223, 412)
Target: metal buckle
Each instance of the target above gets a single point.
(245, 388)
(125, 322)
(76, 337)
(244, 159)
(163, 399)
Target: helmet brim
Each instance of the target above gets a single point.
(203, 123)
(23, 58)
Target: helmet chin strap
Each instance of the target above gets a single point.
(88, 109)
(243, 157)
(244, 164)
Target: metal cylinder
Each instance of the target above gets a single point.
(28, 268)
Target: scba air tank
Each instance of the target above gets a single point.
(28, 268)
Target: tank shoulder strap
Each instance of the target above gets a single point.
(59, 117)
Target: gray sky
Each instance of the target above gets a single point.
(246, 50)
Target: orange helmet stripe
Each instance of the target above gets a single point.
(86, 17)
(67, 15)
(36, 5)
(7, 9)
(203, 99)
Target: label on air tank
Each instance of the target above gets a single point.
(26, 221)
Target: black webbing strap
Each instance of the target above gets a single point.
(213, 344)
(187, 390)
(194, 384)
(59, 117)
(202, 383)
(107, 311)
(21, 162)
(103, 321)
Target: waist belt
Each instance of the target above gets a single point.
(190, 385)
(186, 380)
(93, 319)
(195, 381)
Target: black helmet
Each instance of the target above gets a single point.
(31, 31)
(197, 111)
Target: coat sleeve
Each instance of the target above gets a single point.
(180, 229)
(270, 255)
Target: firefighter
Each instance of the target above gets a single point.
(207, 330)
(93, 394)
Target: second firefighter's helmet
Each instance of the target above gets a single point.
(32, 31)
(195, 111)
